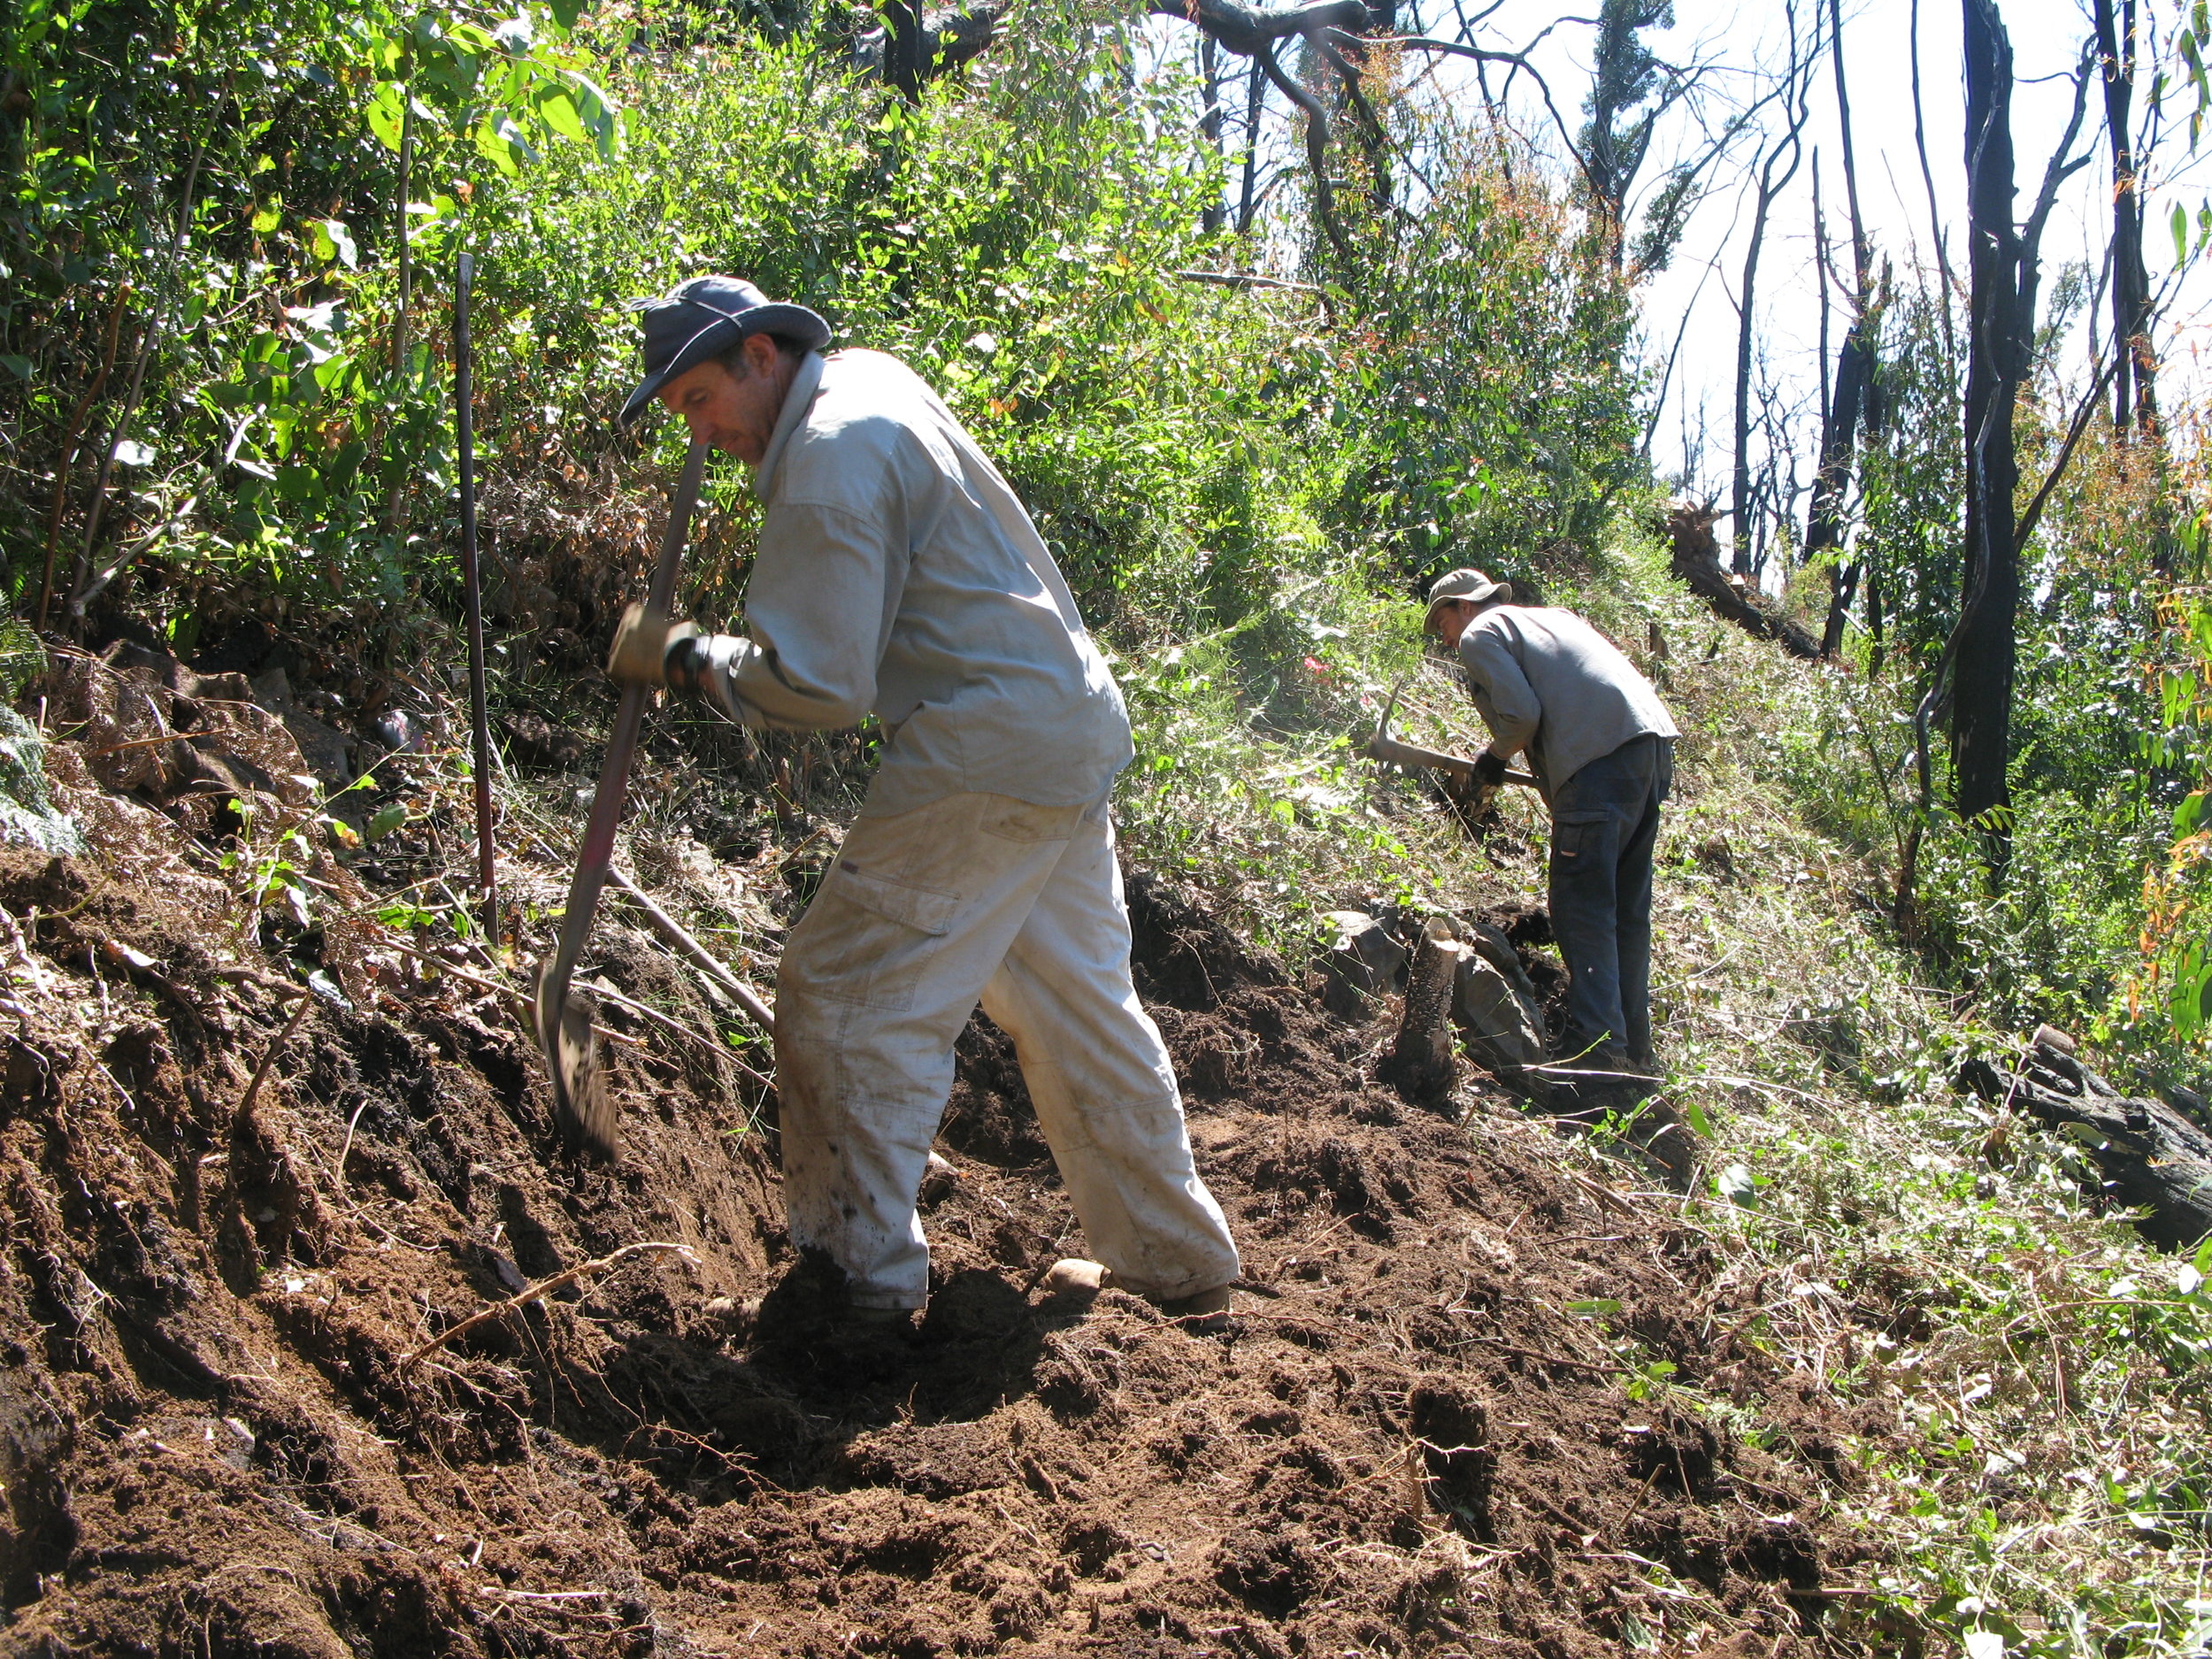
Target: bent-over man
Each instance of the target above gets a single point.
(897, 574)
(1602, 748)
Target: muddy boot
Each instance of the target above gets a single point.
(1072, 1276)
(1205, 1312)
(1600, 1084)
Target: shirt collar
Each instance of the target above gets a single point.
(804, 384)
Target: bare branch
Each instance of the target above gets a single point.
(532, 1292)
(2060, 169)
(1374, 139)
(2080, 424)
(1244, 30)
(1316, 143)
(1519, 60)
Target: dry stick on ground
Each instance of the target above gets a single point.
(523, 1002)
(745, 995)
(268, 1057)
(532, 1292)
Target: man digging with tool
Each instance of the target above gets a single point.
(1602, 748)
(897, 574)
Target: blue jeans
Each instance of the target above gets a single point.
(1604, 821)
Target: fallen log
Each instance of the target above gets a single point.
(2149, 1156)
(1695, 561)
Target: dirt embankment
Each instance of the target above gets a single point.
(213, 1443)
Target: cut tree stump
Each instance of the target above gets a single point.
(1423, 1061)
(2148, 1155)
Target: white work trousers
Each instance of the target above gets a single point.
(980, 897)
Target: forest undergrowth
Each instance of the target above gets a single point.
(2012, 1440)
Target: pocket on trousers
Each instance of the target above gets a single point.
(868, 939)
(1574, 834)
(1014, 820)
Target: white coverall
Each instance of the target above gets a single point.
(898, 573)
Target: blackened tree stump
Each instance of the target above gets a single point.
(2148, 1155)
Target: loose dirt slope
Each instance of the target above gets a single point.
(211, 1442)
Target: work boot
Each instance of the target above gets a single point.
(1204, 1312)
(1071, 1275)
(1595, 1084)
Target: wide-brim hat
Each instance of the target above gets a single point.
(703, 318)
(1468, 584)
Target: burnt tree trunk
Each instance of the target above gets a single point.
(1739, 535)
(2147, 1155)
(1855, 371)
(1695, 562)
(906, 48)
(1998, 338)
(2134, 397)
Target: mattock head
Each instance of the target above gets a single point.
(1379, 737)
(584, 1109)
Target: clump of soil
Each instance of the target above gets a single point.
(217, 1436)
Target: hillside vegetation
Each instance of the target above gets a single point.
(1918, 1385)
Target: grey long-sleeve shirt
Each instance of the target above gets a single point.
(1546, 681)
(899, 574)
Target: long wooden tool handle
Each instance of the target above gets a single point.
(614, 778)
(1383, 747)
(463, 411)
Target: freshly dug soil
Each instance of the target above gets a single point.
(215, 1439)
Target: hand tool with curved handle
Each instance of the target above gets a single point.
(582, 1107)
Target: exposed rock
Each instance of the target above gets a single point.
(327, 754)
(1362, 960)
(1499, 1021)
(535, 743)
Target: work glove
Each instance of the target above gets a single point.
(1489, 769)
(649, 650)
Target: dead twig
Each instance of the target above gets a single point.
(276, 987)
(1604, 1194)
(268, 1057)
(670, 929)
(532, 1292)
(346, 1151)
(522, 1001)
(141, 742)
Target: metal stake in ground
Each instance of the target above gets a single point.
(486, 873)
(581, 1106)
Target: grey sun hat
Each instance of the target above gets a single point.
(1468, 584)
(703, 317)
